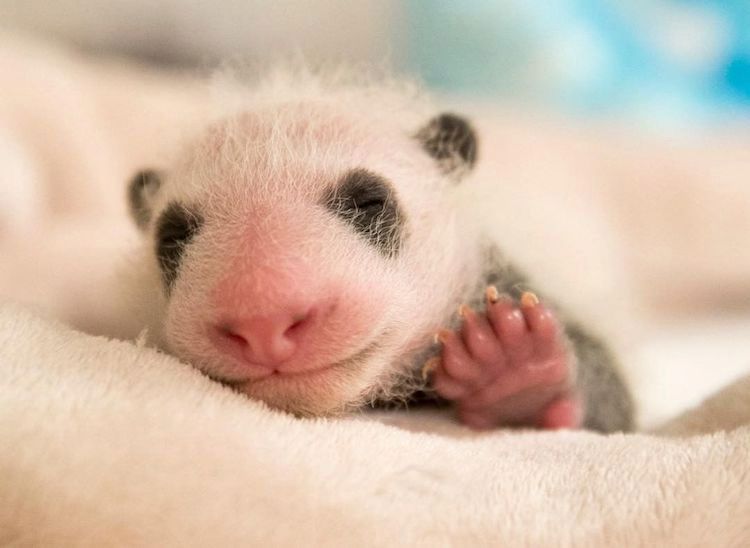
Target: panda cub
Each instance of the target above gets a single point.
(307, 249)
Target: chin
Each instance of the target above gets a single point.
(327, 391)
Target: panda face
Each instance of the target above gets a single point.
(296, 250)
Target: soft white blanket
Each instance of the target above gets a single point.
(106, 443)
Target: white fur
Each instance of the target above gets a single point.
(265, 165)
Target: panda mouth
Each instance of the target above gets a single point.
(294, 374)
(350, 362)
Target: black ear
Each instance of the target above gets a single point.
(451, 140)
(141, 190)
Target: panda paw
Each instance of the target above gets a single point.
(508, 366)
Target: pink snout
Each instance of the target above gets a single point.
(268, 341)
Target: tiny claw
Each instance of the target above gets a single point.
(429, 366)
(463, 310)
(439, 337)
(492, 294)
(529, 300)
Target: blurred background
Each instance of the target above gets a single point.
(665, 64)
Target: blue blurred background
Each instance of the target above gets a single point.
(665, 61)
(661, 63)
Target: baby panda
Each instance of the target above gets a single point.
(307, 249)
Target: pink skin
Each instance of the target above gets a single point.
(260, 321)
(508, 367)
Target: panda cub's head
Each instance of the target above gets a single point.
(307, 250)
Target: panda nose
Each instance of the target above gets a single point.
(265, 341)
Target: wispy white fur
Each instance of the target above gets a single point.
(263, 165)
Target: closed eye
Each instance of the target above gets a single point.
(371, 204)
(176, 227)
(367, 203)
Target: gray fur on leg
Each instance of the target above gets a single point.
(608, 405)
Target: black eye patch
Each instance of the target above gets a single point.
(367, 202)
(176, 227)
